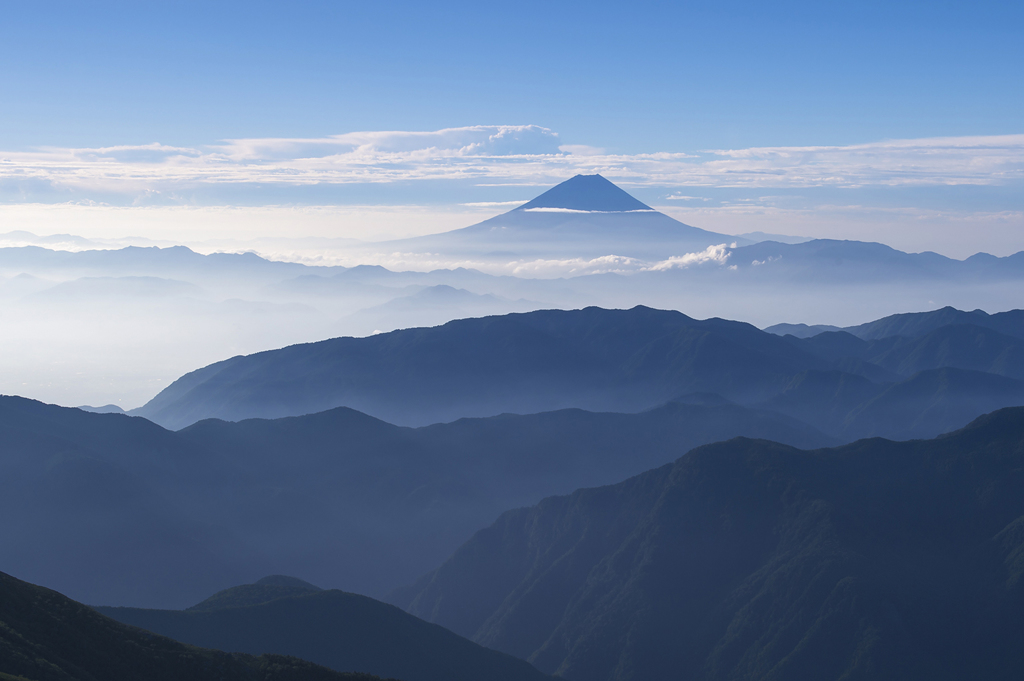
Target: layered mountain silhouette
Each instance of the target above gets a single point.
(47, 637)
(608, 360)
(748, 559)
(343, 631)
(584, 217)
(114, 509)
(130, 319)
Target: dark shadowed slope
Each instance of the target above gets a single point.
(340, 630)
(47, 637)
(114, 509)
(747, 559)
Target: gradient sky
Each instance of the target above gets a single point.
(896, 122)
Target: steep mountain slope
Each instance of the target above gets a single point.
(114, 509)
(339, 630)
(47, 637)
(747, 559)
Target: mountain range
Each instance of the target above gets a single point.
(133, 514)
(748, 559)
(117, 325)
(624, 360)
(616, 492)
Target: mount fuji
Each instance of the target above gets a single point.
(586, 216)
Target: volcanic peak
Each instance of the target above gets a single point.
(588, 194)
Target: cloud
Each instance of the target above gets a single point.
(506, 155)
(605, 264)
(712, 254)
(550, 209)
(384, 146)
(493, 204)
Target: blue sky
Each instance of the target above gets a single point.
(658, 96)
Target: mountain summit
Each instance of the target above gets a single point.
(585, 217)
(586, 194)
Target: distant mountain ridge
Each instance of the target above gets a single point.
(606, 360)
(915, 324)
(615, 360)
(745, 559)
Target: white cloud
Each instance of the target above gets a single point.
(712, 254)
(474, 141)
(574, 266)
(510, 155)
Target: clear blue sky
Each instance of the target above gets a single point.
(627, 78)
(634, 77)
